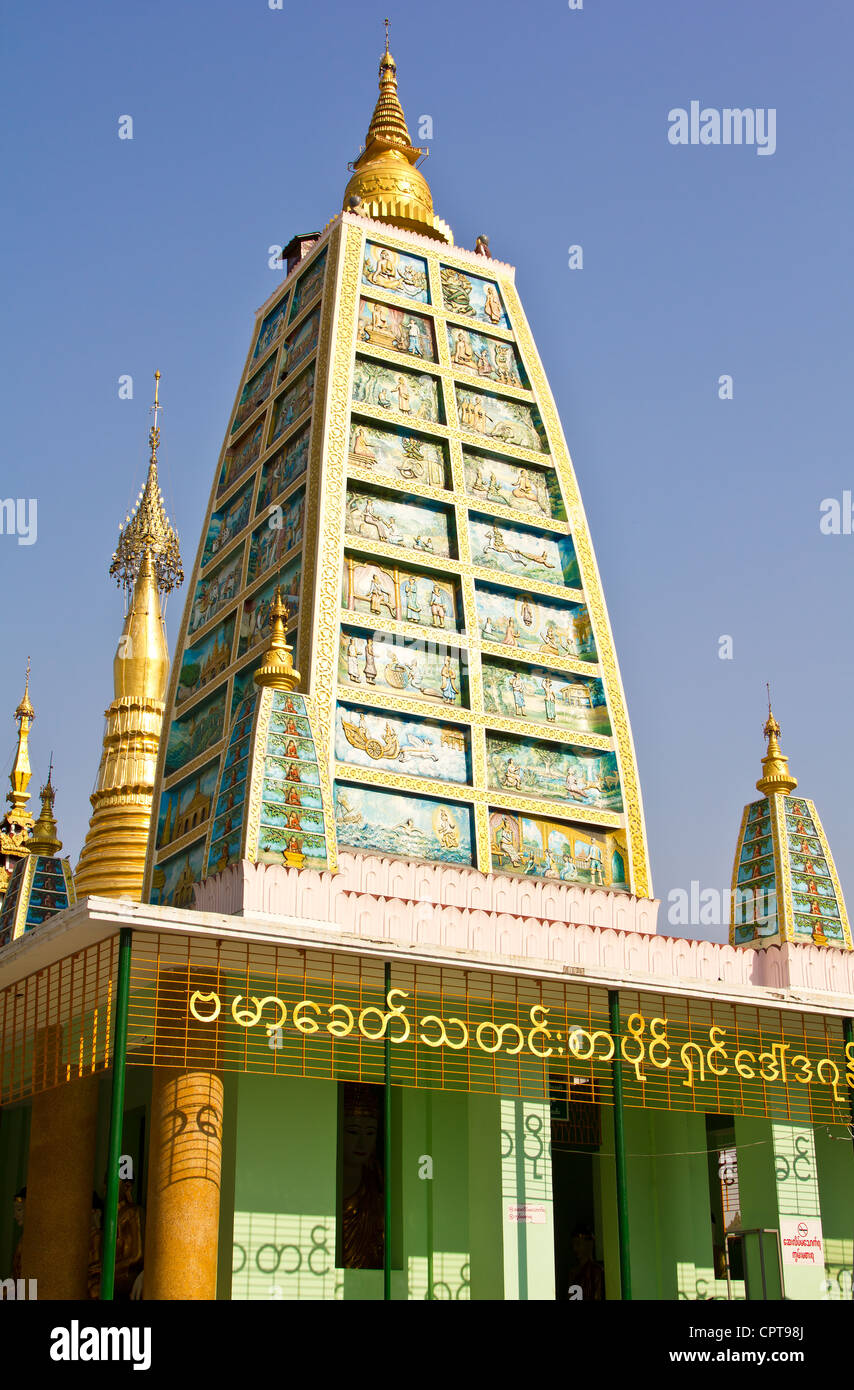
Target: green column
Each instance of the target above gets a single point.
(387, 1151)
(117, 1107)
(620, 1149)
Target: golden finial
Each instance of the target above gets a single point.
(385, 183)
(277, 667)
(21, 771)
(25, 709)
(148, 529)
(776, 776)
(44, 839)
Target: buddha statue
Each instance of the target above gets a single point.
(363, 1182)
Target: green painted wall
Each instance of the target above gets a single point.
(757, 1185)
(835, 1162)
(670, 1228)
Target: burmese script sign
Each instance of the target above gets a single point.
(750, 1062)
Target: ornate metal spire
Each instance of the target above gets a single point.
(277, 665)
(148, 529)
(385, 183)
(776, 776)
(21, 771)
(44, 839)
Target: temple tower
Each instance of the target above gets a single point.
(784, 882)
(147, 564)
(17, 824)
(394, 469)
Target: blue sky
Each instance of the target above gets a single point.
(550, 129)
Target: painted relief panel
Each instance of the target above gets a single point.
(254, 393)
(48, 891)
(529, 554)
(215, 590)
(292, 830)
(470, 295)
(205, 662)
(396, 272)
(388, 388)
(308, 284)
(279, 533)
(413, 525)
(227, 522)
(401, 330)
(501, 419)
(293, 403)
(754, 903)
(195, 731)
(816, 908)
(553, 849)
(300, 344)
(581, 775)
(271, 329)
(230, 805)
(489, 359)
(386, 590)
(514, 485)
(187, 806)
(535, 625)
(173, 880)
(401, 666)
(398, 456)
(282, 469)
(255, 619)
(243, 684)
(240, 456)
(382, 822)
(548, 697)
(396, 743)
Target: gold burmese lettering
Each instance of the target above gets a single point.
(688, 1064)
(827, 1062)
(440, 1041)
(719, 1047)
(399, 1011)
(777, 1068)
(636, 1023)
(539, 1026)
(491, 1037)
(306, 1025)
(197, 997)
(340, 1029)
(747, 1072)
(658, 1029)
(464, 1040)
(576, 1038)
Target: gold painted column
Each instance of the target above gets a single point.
(60, 1180)
(185, 1155)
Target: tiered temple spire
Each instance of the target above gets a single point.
(776, 776)
(147, 563)
(45, 838)
(277, 666)
(386, 185)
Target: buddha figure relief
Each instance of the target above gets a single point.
(362, 1178)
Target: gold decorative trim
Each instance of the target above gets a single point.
(255, 775)
(734, 883)
(834, 877)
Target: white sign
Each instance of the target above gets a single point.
(534, 1213)
(802, 1240)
